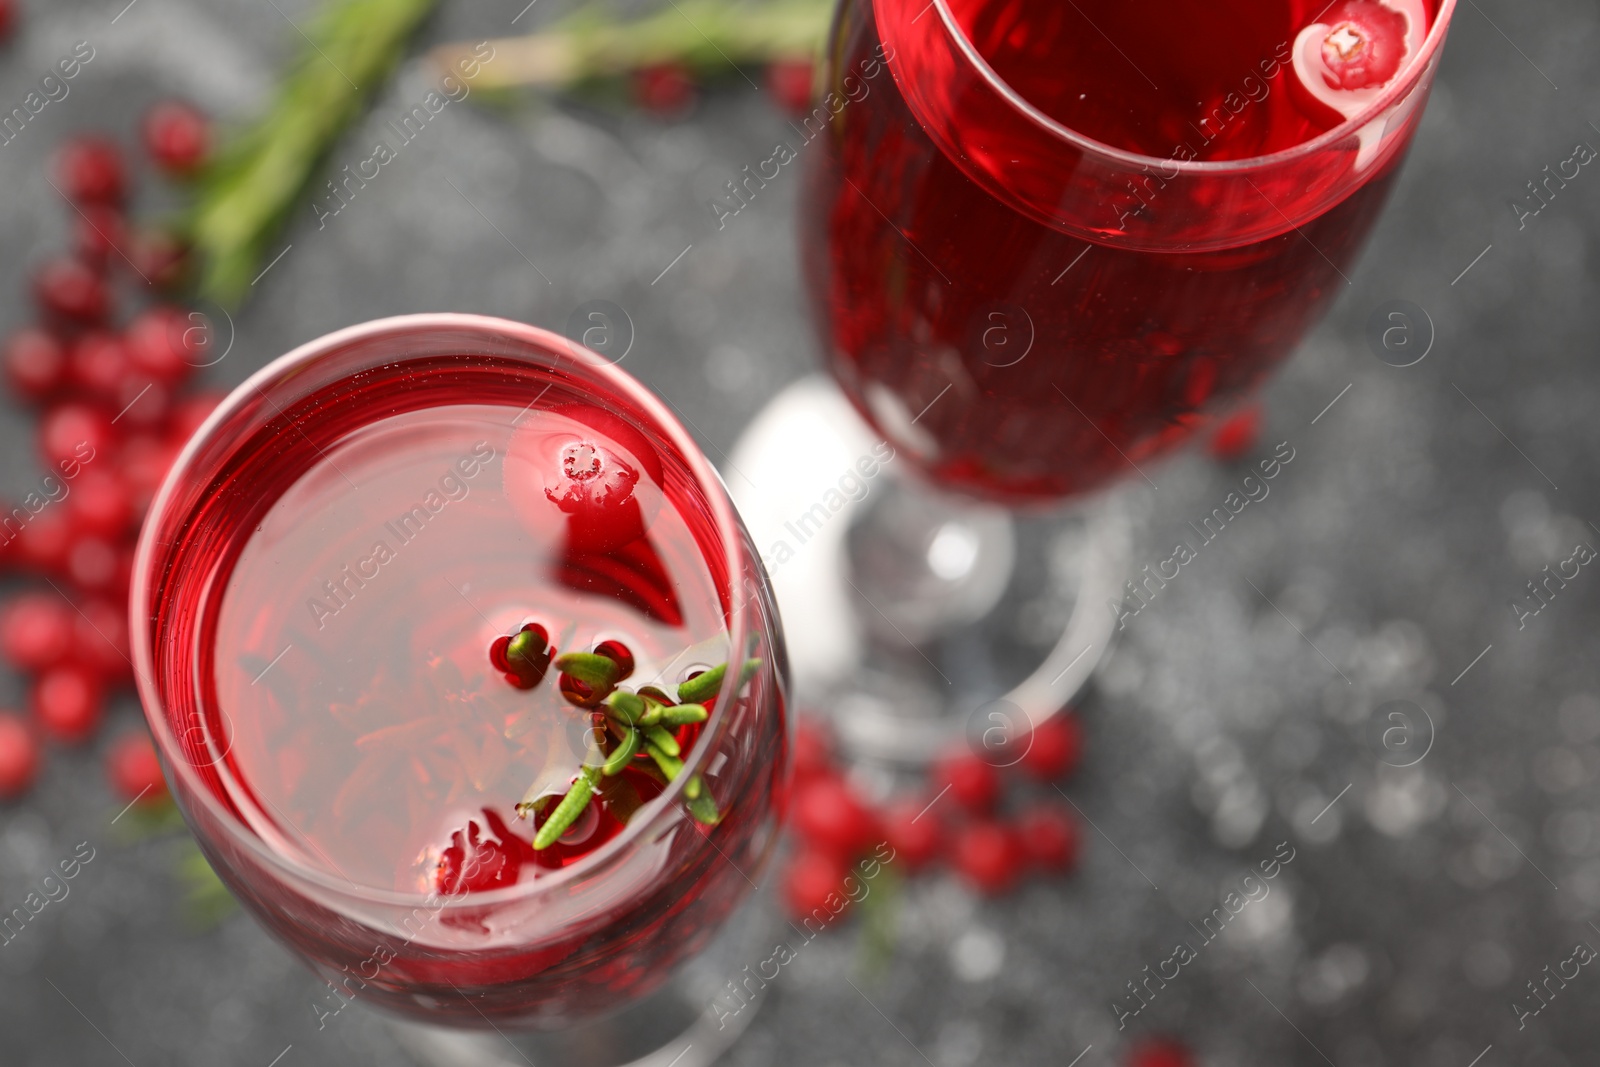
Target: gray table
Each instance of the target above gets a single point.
(1238, 707)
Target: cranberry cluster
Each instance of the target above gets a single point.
(956, 818)
(114, 410)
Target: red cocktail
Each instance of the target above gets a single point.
(1053, 239)
(430, 621)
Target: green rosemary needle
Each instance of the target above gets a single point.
(626, 749)
(566, 813)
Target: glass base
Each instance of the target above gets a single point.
(914, 616)
(689, 1022)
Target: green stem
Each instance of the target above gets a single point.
(567, 812)
(625, 751)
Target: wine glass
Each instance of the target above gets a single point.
(1046, 244)
(336, 603)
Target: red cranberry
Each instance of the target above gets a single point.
(99, 233)
(71, 435)
(1237, 435)
(68, 702)
(167, 343)
(189, 414)
(1365, 44)
(617, 653)
(98, 364)
(94, 565)
(44, 542)
(813, 750)
(1055, 748)
(790, 81)
(988, 856)
(134, 769)
(813, 879)
(578, 693)
(35, 363)
(1049, 837)
(36, 631)
(177, 136)
(914, 830)
(1160, 1052)
(19, 755)
(665, 89)
(70, 289)
(485, 856)
(100, 638)
(158, 257)
(973, 783)
(90, 171)
(830, 818)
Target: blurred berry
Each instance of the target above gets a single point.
(1160, 1052)
(1055, 748)
(974, 784)
(134, 770)
(830, 818)
(68, 702)
(789, 81)
(1049, 838)
(19, 753)
(70, 289)
(810, 878)
(35, 363)
(36, 631)
(988, 856)
(90, 170)
(914, 830)
(666, 89)
(177, 136)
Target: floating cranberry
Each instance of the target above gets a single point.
(68, 702)
(790, 81)
(134, 770)
(1365, 44)
(1237, 435)
(99, 233)
(974, 784)
(579, 694)
(167, 343)
(36, 631)
(177, 136)
(914, 830)
(69, 288)
(485, 856)
(74, 434)
(617, 653)
(1055, 748)
(988, 856)
(35, 363)
(98, 364)
(524, 657)
(19, 755)
(90, 170)
(1049, 837)
(831, 818)
(812, 882)
(1160, 1052)
(665, 89)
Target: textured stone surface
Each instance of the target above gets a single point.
(1416, 508)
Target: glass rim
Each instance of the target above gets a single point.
(1384, 100)
(530, 338)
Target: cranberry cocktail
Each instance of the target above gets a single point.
(1057, 237)
(464, 672)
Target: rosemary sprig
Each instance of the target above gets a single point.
(566, 813)
(623, 754)
(247, 191)
(705, 35)
(704, 686)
